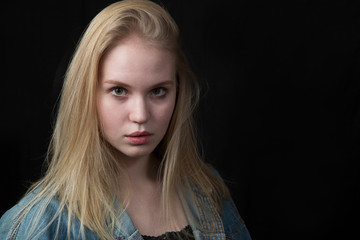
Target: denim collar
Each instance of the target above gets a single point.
(127, 229)
(211, 228)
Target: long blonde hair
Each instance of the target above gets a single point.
(83, 168)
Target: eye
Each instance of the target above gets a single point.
(119, 91)
(158, 92)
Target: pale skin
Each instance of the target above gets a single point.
(136, 95)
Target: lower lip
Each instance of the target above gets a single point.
(138, 140)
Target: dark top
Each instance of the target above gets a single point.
(185, 234)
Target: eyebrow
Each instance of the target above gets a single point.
(117, 82)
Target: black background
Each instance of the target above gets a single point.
(279, 117)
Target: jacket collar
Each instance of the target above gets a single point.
(204, 213)
(210, 228)
(126, 230)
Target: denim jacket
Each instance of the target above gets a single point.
(228, 226)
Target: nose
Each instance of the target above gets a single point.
(139, 111)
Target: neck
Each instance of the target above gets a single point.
(142, 171)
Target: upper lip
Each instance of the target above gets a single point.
(138, 134)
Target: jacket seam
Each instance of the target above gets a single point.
(219, 225)
(15, 227)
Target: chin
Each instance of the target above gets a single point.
(136, 151)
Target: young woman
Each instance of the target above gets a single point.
(123, 157)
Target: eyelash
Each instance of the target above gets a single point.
(124, 91)
(118, 88)
(164, 90)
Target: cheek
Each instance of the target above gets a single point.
(163, 115)
(108, 118)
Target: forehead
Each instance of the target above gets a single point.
(135, 60)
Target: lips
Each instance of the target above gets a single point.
(138, 138)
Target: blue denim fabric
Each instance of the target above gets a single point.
(228, 226)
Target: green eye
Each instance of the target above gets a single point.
(159, 91)
(119, 91)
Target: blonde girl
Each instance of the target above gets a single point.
(123, 161)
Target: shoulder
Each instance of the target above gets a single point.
(35, 218)
(234, 225)
(11, 220)
(28, 216)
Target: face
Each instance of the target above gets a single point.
(136, 96)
